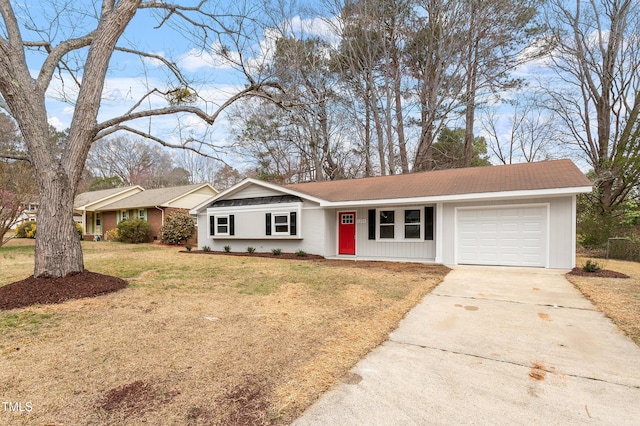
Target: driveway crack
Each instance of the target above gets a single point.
(515, 363)
(514, 302)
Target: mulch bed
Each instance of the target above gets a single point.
(47, 291)
(259, 254)
(602, 273)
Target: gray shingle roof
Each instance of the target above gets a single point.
(90, 197)
(151, 197)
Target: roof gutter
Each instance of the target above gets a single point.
(556, 192)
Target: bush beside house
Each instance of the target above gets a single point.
(134, 231)
(178, 227)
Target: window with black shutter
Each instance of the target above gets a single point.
(293, 228)
(428, 223)
(372, 224)
(268, 224)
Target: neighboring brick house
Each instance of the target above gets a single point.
(152, 205)
(87, 204)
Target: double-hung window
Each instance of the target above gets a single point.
(412, 224)
(387, 224)
(281, 224)
(221, 226)
(401, 224)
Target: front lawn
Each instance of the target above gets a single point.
(617, 298)
(196, 339)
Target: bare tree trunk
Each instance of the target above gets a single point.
(368, 169)
(373, 99)
(424, 153)
(471, 85)
(402, 144)
(58, 250)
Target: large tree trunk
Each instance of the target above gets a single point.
(58, 251)
(57, 168)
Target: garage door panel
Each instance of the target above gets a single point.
(502, 236)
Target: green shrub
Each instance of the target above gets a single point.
(206, 248)
(591, 266)
(276, 251)
(227, 249)
(251, 249)
(26, 230)
(178, 226)
(188, 247)
(301, 253)
(134, 231)
(112, 235)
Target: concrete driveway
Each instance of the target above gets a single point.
(493, 346)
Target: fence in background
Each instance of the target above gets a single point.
(623, 249)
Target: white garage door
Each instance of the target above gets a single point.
(502, 236)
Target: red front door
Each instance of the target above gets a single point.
(347, 233)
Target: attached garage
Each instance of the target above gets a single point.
(509, 236)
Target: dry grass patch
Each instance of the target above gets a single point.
(617, 298)
(197, 339)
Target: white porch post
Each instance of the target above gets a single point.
(439, 232)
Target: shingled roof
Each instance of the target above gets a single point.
(87, 198)
(151, 197)
(546, 175)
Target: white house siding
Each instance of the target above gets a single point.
(419, 250)
(561, 228)
(249, 227)
(252, 191)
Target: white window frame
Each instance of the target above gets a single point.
(386, 225)
(399, 224)
(418, 224)
(274, 225)
(218, 224)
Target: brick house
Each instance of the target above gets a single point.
(152, 205)
(87, 205)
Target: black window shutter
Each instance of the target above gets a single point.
(372, 224)
(428, 223)
(232, 225)
(268, 224)
(292, 224)
(212, 225)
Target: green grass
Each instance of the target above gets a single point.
(26, 322)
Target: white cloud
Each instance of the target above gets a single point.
(195, 60)
(55, 122)
(316, 27)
